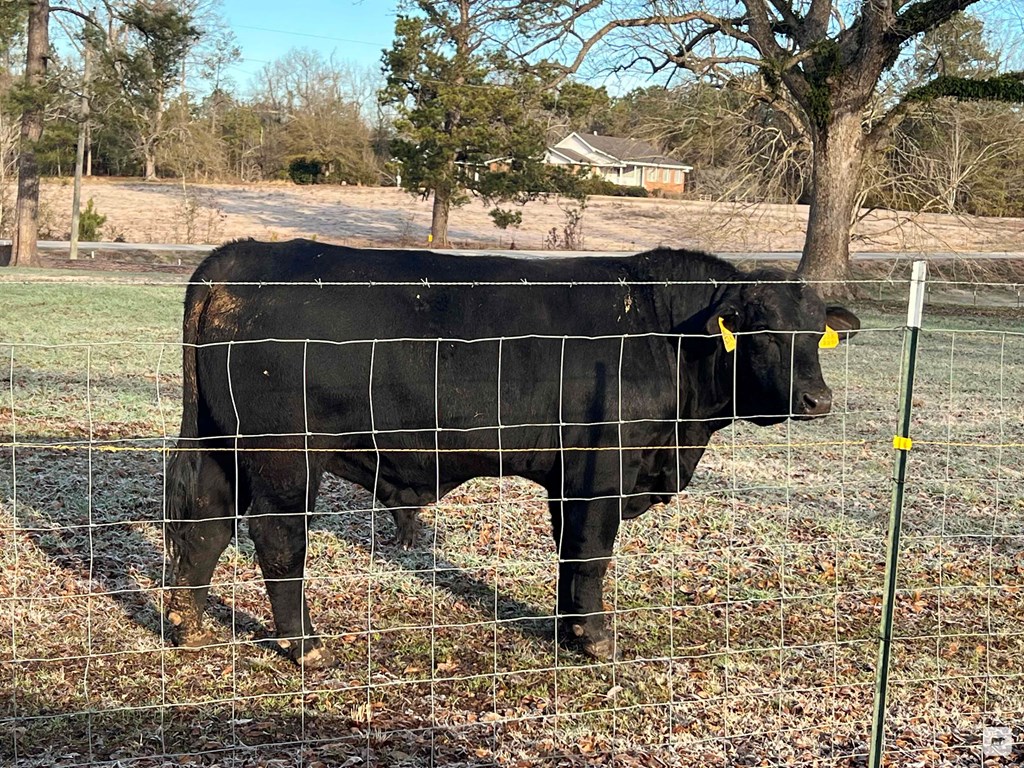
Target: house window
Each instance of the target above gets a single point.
(679, 177)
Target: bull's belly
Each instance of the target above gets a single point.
(415, 476)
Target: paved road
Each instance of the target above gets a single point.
(84, 248)
(63, 245)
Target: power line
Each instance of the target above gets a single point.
(308, 34)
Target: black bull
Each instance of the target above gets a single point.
(601, 379)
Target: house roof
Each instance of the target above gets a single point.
(571, 155)
(634, 151)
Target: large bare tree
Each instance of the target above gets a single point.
(818, 62)
(319, 110)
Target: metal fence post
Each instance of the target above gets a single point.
(902, 444)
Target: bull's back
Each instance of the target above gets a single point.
(418, 354)
(303, 289)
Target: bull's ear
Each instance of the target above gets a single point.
(724, 323)
(842, 321)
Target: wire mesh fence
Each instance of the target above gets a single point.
(747, 608)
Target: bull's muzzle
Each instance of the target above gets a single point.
(813, 403)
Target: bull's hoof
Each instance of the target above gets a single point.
(185, 633)
(597, 644)
(197, 640)
(316, 655)
(407, 529)
(402, 541)
(317, 658)
(602, 650)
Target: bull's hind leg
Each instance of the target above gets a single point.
(201, 524)
(278, 527)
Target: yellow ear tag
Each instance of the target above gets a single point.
(728, 338)
(829, 340)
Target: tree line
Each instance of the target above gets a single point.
(844, 107)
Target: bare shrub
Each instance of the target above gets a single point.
(570, 238)
(198, 218)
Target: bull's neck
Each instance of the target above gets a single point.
(696, 280)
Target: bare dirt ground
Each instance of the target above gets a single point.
(168, 212)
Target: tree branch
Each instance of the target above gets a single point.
(731, 28)
(925, 15)
(1007, 88)
(728, 27)
(704, 64)
(560, 28)
(793, 25)
(762, 33)
(775, 58)
(816, 20)
(75, 12)
(779, 103)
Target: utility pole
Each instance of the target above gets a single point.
(26, 226)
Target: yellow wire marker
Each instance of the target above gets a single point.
(728, 337)
(902, 443)
(829, 340)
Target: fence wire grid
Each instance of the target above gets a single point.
(748, 608)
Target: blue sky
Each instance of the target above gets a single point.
(355, 31)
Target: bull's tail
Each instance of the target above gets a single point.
(183, 467)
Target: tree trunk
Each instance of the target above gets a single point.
(24, 251)
(838, 156)
(150, 156)
(83, 131)
(88, 150)
(149, 148)
(439, 218)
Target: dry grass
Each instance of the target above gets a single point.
(748, 607)
(142, 212)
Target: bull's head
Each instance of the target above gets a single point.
(774, 327)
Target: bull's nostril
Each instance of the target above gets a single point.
(817, 403)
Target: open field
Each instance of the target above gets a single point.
(748, 607)
(142, 212)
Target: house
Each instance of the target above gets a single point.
(628, 162)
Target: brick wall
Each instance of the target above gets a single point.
(665, 179)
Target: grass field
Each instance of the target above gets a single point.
(748, 607)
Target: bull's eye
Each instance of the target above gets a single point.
(766, 342)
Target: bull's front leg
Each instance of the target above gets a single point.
(278, 528)
(584, 533)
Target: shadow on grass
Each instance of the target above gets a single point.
(424, 561)
(99, 518)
